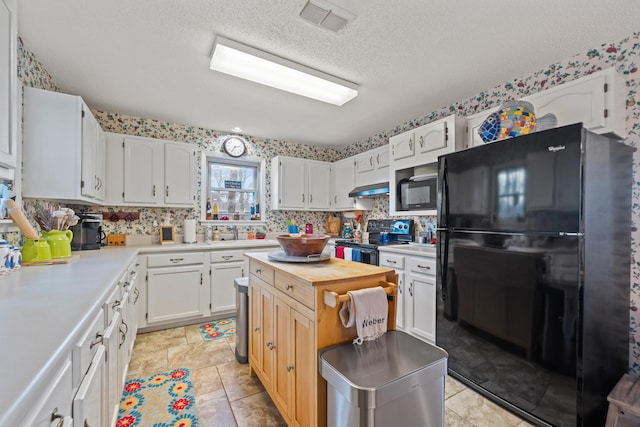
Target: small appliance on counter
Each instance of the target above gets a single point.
(381, 232)
(87, 233)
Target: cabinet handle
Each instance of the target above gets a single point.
(56, 416)
(371, 161)
(424, 266)
(167, 191)
(390, 261)
(270, 345)
(154, 190)
(310, 198)
(411, 143)
(256, 329)
(289, 286)
(378, 159)
(99, 340)
(115, 304)
(411, 288)
(258, 270)
(176, 260)
(335, 199)
(399, 288)
(289, 368)
(302, 197)
(136, 292)
(421, 141)
(227, 257)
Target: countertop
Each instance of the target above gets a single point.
(324, 272)
(417, 249)
(45, 309)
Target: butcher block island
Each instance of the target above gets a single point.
(294, 314)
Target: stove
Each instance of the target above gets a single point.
(381, 232)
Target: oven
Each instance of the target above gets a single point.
(381, 232)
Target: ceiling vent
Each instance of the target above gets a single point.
(325, 15)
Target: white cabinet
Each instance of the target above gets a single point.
(596, 100)
(149, 172)
(88, 408)
(9, 100)
(55, 400)
(402, 146)
(343, 182)
(226, 266)
(177, 287)
(61, 149)
(300, 184)
(372, 167)
(416, 308)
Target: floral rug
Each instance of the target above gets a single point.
(162, 400)
(218, 329)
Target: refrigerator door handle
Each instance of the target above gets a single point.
(443, 203)
(443, 246)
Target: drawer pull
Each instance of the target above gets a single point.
(258, 270)
(289, 368)
(99, 340)
(256, 329)
(390, 261)
(175, 260)
(56, 416)
(115, 304)
(227, 257)
(289, 286)
(424, 266)
(270, 345)
(136, 292)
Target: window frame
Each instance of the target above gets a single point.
(253, 161)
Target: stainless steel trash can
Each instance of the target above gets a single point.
(242, 319)
(394, 380)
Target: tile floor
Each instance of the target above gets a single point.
(226, 396)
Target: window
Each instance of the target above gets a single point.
(233, 187)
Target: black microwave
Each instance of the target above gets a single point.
(418, 193)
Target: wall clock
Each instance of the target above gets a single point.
(234, 146)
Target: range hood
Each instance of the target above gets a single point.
(370, 190)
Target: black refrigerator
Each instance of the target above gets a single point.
(534, 248)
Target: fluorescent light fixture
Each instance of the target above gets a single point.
(248, 63)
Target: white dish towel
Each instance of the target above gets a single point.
(348, 252)
(367, 310)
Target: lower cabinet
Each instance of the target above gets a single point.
(416, 292)
(55, 402)
(225, 268)
(88, 407)
(283, 350)
(176, 288)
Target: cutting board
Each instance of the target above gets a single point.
(67, 260)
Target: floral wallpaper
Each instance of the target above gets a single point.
(623, 55)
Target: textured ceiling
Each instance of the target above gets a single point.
(150, 58)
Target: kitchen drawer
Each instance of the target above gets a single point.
(111, 305)
(86, 347)
(227, 256)
(391, 260)
(169, 260)
(262, 271)
(55, 400)
(423, 265)
(297, 290)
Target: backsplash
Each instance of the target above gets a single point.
(624, 55)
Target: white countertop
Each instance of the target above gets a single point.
(411, 249)
(45, 309)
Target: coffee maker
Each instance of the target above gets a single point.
(87, 233)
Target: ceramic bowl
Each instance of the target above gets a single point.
(302, 245)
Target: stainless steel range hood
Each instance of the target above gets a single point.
(370, 190)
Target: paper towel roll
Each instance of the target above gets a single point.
(189, 230)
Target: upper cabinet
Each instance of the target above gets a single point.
(424, 144)
(149, 172)
(62, 149)
(300, 184)
(9, 103)
(372, 166)
(596, 100)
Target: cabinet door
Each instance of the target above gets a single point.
(431, 137)
(113, 378)
(179, 176)
(282, 380)
(364, 163)
(255, 326)
(56, 401)
(402, 146)
(8, 83)
(268, 333)
(319, 190)
(176, 293)
(303, 368)
(101, 164)
(421, 320)
(143, 171)
(343, 183)
(223, 293)
(89, 186)
(292, 183)
(87, 405)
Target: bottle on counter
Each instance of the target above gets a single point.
(308, 228)
(215, 234)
